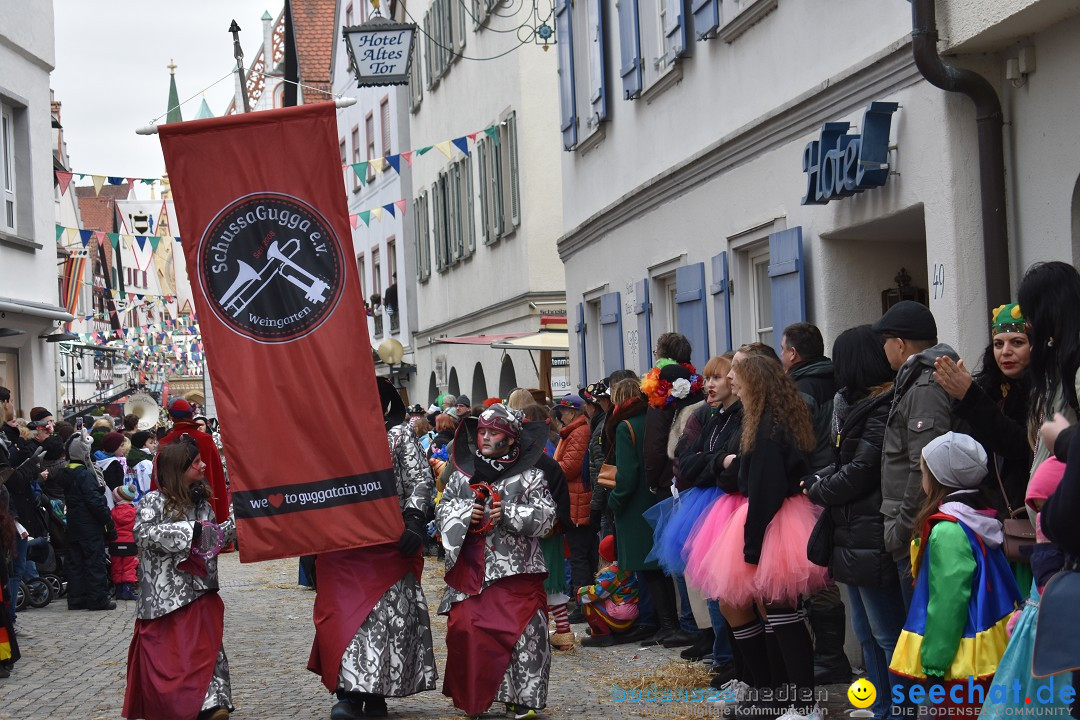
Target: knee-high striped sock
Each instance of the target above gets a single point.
(750, 640)
(562, 620)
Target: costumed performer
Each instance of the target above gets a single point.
(372, 630)
(177, 668)
(495, 508)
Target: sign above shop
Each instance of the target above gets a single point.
(840, 164)
(380, 51)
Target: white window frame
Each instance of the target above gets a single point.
(9, 208)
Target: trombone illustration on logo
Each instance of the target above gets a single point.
(262, 285)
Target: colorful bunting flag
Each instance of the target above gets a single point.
(461, 144)
(63, 179)
(444, 148)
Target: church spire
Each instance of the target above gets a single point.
(174, 97)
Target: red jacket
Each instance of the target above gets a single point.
(570, 454)
(124, 520)
(215, 472)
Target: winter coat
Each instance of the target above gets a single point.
(570, 454)
(814, 379)
(850, 491)
(659, 464)
(88, 515)
(999, 422)
(597, 458)
(631, 495)
(711, 435)
(685, 428)
(921, 411)
(768, 475)
(19, 480)
(556, 481)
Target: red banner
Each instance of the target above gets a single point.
(265, 231)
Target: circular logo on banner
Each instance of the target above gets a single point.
(271, 267)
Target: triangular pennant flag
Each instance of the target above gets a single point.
(63, 179)
(116, 180)
(114, 239)
(461, 144)
(444, 148)
(354, 221)
(154, 241)
(149, 181)
(365, 215)
(141, 239)
(425, 149)
(85, 236)
(360, 169)
(99, 180)
(131, 184)
(472, 136)
(59, 232)
(100, 237)
(408, 157)
(493, 133)
(377, 166)
(71, 235)
(395, 162)
(390, 209)
(377, 213)
(400, 204)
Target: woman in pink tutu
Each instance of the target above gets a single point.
(762, 563)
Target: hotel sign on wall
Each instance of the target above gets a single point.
(839, 164)
(380, 51)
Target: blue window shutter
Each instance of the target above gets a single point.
(690, 312)
(598, 91)
(564, 41)
(721, 292)
(675, 32)
(786, 281)
(643, 310)
(611, 332)
(579, 328)
(706, 17)
(629, 49)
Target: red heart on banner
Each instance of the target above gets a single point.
(276, 499)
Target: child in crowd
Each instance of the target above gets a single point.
(122, 551)
(964, 589)
(610, 606)
(1046, 559)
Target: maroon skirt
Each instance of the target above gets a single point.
(171, 661)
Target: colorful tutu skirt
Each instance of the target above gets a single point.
(1015, 665)
(701, 543)
(669, 547)
(783, 572)
(657, 516)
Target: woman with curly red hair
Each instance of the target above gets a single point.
(762, 565)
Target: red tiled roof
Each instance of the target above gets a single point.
(313, 24)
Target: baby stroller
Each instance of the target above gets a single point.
(51, 565)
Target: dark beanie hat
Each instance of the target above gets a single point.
(54, 448)
(909, 320)
(39, 413)
(112, 442)
(139, 439)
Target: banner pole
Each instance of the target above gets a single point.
(238, 54)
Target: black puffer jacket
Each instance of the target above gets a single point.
(814, 379)
(88, 514)
(850, 491)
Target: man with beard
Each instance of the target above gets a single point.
(495, 508)
(372, 630)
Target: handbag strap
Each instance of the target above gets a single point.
(633, 438)
(1001, 485)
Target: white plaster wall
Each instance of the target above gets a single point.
(724, 86)
(26, 58)
(469, 97)
(1046, 155)
(979, 26)
(937, 161)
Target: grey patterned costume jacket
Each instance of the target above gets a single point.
(163, 544)
(391, 654)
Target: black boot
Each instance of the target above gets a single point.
(350, 706)
(702, 648)
(826, 613)
(375, 706)
(662, 591)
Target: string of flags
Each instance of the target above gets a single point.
(79, 235)
(63, 179)
(446, 147)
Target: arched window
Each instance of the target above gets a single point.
(507, 377)
(452, 386)
(479, 385)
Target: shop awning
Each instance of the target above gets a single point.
(42, 310)
(480, 339)
(543, 340)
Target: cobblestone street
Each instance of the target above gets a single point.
(74, 665)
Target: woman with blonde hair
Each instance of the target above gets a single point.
(763, 559)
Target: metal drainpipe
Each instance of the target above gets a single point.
(988, 118)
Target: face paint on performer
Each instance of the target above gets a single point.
(493, 443)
